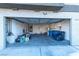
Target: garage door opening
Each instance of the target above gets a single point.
(21, 31)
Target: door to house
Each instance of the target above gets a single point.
(30, 28)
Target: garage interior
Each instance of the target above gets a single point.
(23, 31)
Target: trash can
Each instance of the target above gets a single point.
(57, 35)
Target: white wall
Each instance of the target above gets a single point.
(66, 28)
(17, 28)
(41, 28)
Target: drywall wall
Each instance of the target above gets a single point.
(40, 28)
(17, 28)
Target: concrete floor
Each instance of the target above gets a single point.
(40, 51)
(40, 40)
(40, 46)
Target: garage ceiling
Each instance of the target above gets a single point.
(37, 20)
